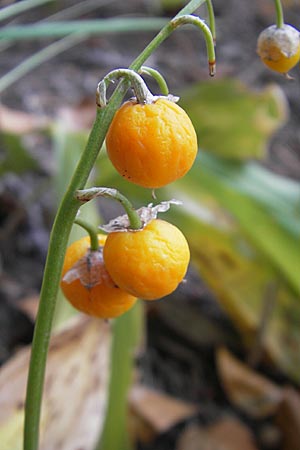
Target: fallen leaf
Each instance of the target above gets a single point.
(75, 389)
(288, 418)
(252, 393)
(154, 412)
(226, 434)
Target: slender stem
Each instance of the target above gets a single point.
(139, 86)
(211, 18)
(58, 242)
(91, 27)
(279, 14)
(17, 8)
(93, 232)
(158, 78)
(85, 195)
(38, 58)
(163, 34)
(210, 47)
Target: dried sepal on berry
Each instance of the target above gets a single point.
(88, 286)
(279, 47)
(145, 213)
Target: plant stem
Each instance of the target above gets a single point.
(17, 8)
(210, 46)
(158, 78)
(92, 232)
(90, 27)
(85, 195)
(279, 14)
(38, 58)
(211, 17)
(139, 86)
(163, 34)
(58, 242)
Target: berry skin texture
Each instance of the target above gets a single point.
(149, 263)
(151, 145)
(87, 285)
(279, 48)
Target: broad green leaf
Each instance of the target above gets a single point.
(240, 276)
(231, 120)
(228, 231)
(257, 222)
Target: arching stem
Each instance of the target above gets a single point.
(210, 47)
(279, 14)
(139, 86)
(158, 78)
(85, 195)
(93, 232)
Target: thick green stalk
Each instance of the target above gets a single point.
(58, 243)
(279, 14)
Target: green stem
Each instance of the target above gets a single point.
(93, 232)
(58, 242)
(279, 14)
(211, 18)
(38, 58)
(17, 8)
(91, 27)
(139, 86)
(158, 78)
(85, 195)
(210, 47)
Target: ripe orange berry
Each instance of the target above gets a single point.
(279, 48)
(149, 263)
(87, 284)
(151, 144)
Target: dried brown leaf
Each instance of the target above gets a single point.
(226, 434)
(288, 418)
(75, 389)
(156, 411)
(252, 393)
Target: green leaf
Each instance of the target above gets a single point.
(238, 244)
(259, 223)
(232, 121)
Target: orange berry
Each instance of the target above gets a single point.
(149, 263)
(87, 284)
(151, 144)
(279, 48)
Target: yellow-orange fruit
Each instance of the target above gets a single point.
(87, 284)
(279, 48)
(151, 144)
(149, 263)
